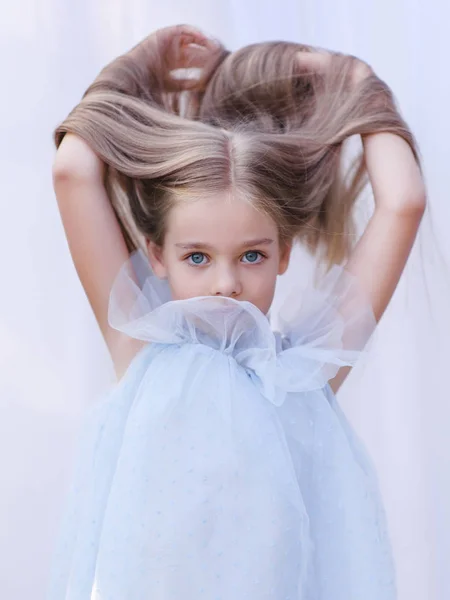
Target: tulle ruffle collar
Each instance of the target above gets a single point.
(321, 330)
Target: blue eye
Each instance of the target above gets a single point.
(196, 258)
(253, 257)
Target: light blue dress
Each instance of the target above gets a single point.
(220, 467)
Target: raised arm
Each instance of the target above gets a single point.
(399, 192)
(95, 238)
(93, 233)
(380, 256)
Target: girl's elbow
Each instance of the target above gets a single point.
(416, 204)
(412, 204)
(74, 160)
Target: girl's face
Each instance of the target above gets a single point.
(221, 247)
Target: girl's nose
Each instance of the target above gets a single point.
(226, 283)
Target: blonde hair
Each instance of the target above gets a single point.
(260, 123)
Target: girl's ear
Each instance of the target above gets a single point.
(285, 255)
(156, 258)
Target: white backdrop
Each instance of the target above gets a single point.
(52, 360)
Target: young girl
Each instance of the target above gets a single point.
(220, 465)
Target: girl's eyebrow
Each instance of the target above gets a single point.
(195, 245)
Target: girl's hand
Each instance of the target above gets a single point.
(153, 69)
(180, 47)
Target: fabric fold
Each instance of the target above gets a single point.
(324, 329)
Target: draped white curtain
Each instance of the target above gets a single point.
(52, 360)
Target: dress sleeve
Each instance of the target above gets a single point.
(136, 293)
(324, 328)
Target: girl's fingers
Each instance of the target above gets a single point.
(177, 84)
(188, 48)
(194, 56)
(190, 35)
(210, 44)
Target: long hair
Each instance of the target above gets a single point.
(260, 123)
